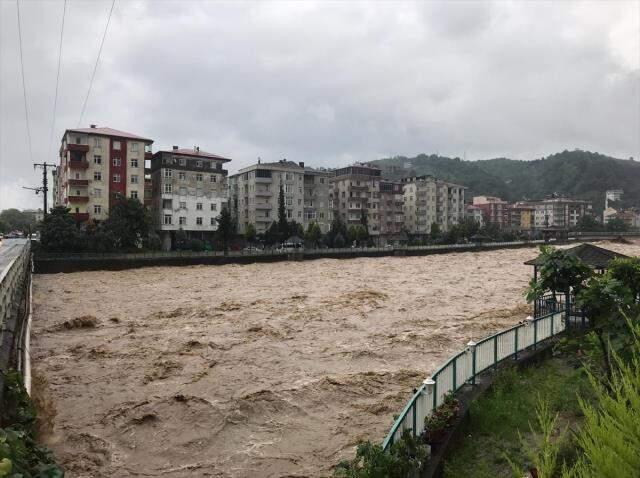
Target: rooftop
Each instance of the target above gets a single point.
(195, 152)
(593, 256)
(105, 131)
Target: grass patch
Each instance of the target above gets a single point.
(508, 408)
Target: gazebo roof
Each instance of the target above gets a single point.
(593, 256)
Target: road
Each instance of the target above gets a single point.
(9, 250)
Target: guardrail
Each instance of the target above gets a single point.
(467, 365)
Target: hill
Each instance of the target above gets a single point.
(579, 174)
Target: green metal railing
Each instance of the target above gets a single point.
(467, 365)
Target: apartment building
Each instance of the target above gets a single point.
(428, 200)
(189, 190)
(494, 210)
(316, 198)
(474, 213)
(521, 216)
(560, 212)
(97, 166)
(360, 190)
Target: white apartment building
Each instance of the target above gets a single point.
(97, 166)
(189, 192)
(428, 200)
(254, 193)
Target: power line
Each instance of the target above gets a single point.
(55, 100)
(84, 105)
(24, 87)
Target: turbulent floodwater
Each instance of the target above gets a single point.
(259, 370)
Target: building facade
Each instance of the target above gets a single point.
(560, 212)
(521, 216)
(98, 166)
(428, 201)
(189, 190)
(255, 191)
(494, 210)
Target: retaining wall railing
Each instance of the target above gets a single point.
(467, 365)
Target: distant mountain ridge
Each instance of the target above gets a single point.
(579, 174)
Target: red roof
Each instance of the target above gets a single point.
(196, 154)
(109, 132)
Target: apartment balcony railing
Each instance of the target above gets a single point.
(78, 164)
(78, 182)
(263, 206)
(78, 199)
(80, 216)
(78, 147)
(263, 180)
(264, 193)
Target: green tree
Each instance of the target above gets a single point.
(435, 230)
(59, 232)
(313, 233)
(129, 222)
(338, 227)
(294, 229)
(559, 272)
(283, 225)
(225, 228)
(588, 223)
(250, 233)
(17, 220)
(364, 222)
(4, 227)
(272, 235)
(617, 225)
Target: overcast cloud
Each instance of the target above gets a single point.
(327, 83)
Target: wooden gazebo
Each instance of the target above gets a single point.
(597, 258)
(594, 257)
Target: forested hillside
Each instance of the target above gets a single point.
(579, 174)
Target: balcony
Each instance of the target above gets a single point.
(262, 180)
(77, 199)
(148, 155)
(263, 193)
(80, 216)
(74, 164)
(78, 182)
(263, 207)
(78, 147)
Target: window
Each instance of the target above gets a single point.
(198, 192)
(97, 193)
(97, 159)
(289, 213)
(214, 206)
(167, 188)
(213, 221)
(289, 201)
(167, 203)
(117, 161)
(97, 209)
(198, 221)
(287, 176)
(299, 214)
(182, 176)
(198, 164)
(116, 145)
(288, 188)
(321, 180)
(182, 220)
(97, 176)
(116, 178)
(77, 175)
(300, 202)
(168, 173)
(78, 140)
(134, 179)
(212, 178)
(134, 163)
(134, 194)
(134, 147)
(199, 177)
(183, 191)
(198, 206)
(167, 219)
(182, 162)
(96, 142)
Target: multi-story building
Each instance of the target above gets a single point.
(474, 213)
(560, 212)
(97, 166)
(255, 192)
(494, 209)
(358, 191)
(428, 201)
(612, 195)
(521, 216)
(189, 192)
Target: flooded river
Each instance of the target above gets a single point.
(262, 370)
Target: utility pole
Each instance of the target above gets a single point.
(45, 182)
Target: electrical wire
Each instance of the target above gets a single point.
(55, 99)
(84, 105)
(24, 87)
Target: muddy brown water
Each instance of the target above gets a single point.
(262, 370)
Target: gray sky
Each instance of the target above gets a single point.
(327, 83)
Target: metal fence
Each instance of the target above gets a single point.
(467, 365)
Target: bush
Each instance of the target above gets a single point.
(195, 245)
